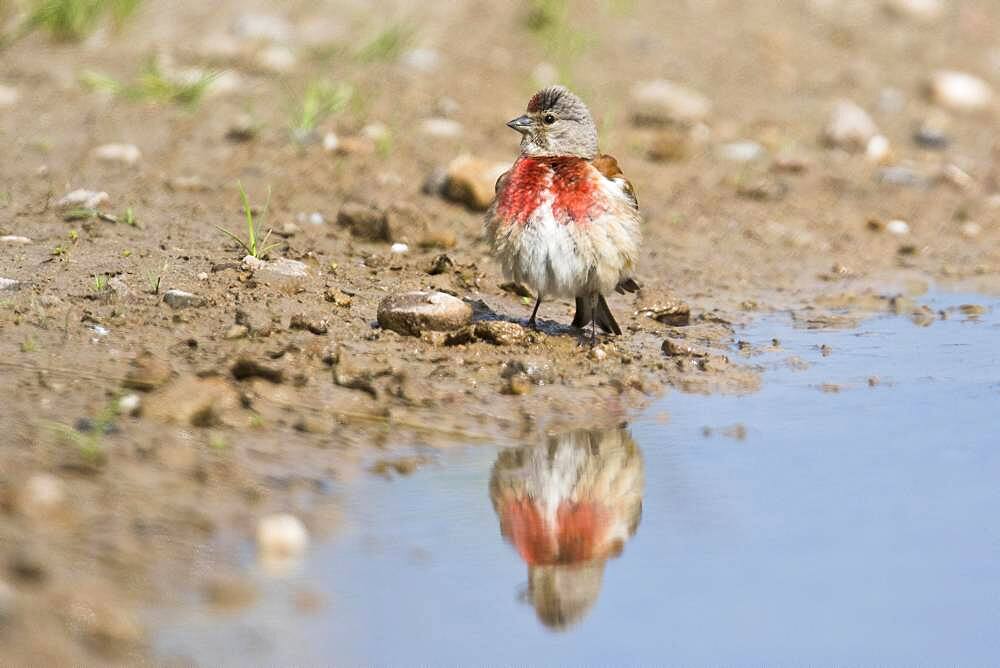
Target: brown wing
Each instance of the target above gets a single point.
(608, 167)
(500, 180)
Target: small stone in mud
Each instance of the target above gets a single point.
(413, 312)
(181, 299)
(959, 91)
(281, 269)
(9, 284)
(471, 181)
(825, 350)
(315, 325)
(972, 310)
(14, 240)
(401, 466)
(668, 310)
(829, 388)
(127, 154)
(83, 199)
(281, 537)
(338, 297)
(873, 381)
(680, 348)
(663, 102)
(499, 332)
(850, 127)
(364, 221)
(598, 354)
(897, 227)
(130, 404)
(236, 332)
(147, 372)
(256, 319)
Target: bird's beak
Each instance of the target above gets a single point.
(522, 124)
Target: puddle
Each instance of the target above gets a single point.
(793, 525)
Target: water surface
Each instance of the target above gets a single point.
(789, 526)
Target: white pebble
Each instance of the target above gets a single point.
(128, 154)
(281, 537)
(130, 404)
(42, 495)
(202, 275)
(898, 227)
(87, 199)
(971, 229)
(331, 142)
(399, 248)
(850, 127)
(8, 96)
(959, 91)
(277, 59)
(9, 284)
(316, 218)
(878, 150)
(741, 151)
(919, 10)
(441, 127)
(13, 239)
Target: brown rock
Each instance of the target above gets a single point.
(364, 221)
(413, 312)
(317, 326)
(472, 181)
(681, 348)
(338, 297)
(499, 332)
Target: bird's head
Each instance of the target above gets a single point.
(556, 122)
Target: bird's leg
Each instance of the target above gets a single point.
(531, 321)
(593, 323)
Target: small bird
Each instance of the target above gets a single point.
(565, 220)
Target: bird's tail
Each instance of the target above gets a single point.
(586, 313)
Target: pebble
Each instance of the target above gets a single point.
(411, 313)
(338, 297)
(331, 142)
(668, 310)
(741, 151)
(243, 128)
(43, 496)
(130, 404)
(879, 150)
(959, 91)
(182, 299)
(236, 332)
(276, 59)
(127, 154)
(681, 348)
(970, 229)
(671, 145)
(441, 127)
(265, 27)
(472, 181)
(598, 354)
(9, 284)
(202, 276)
(933, 134)
(517, 385)
(317, 326)
(365, 221)
(289, 230)
(500, 332)
(661, 101)
(924, 11)
(903, 176)
(897, 227)
(13, 239)
(280, 269)
(850, 127)
(399, 248)
(82, 198)
(421, 59)
(9, 96)
(281, 537)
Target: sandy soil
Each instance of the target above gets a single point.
(274, 391)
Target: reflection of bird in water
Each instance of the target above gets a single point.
(568, 507)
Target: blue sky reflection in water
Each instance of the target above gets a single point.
(846, 527)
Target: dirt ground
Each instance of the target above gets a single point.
(143, 441)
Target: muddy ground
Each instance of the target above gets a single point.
(143, 442)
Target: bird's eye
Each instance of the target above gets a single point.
(548, 119)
